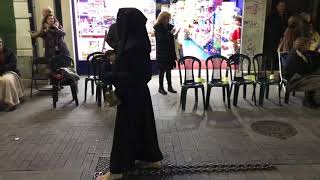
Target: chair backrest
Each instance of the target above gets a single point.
(61, 61)
(262, 64)
(216, 63)
(241, 64)
(283, 61)
(98, 64)
(39, 61)
(186, 63)
(89, 58)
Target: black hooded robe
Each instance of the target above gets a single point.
(135, 135)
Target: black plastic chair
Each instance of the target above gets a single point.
(217, 62)
(36, 74)
(57, 62)
(261, 63)
(100, 65)
(190, 83)
(284, 83)
(241, 65)
(90, 77)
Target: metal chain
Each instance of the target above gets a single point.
(171, 170)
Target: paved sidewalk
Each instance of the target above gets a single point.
(67, 142)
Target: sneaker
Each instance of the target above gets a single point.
(110, 176)
(162, 91)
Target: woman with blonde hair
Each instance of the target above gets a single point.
(292, 32)
(166, 54)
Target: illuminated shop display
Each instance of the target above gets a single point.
(94, 17)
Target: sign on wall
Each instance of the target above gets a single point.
(254, 15)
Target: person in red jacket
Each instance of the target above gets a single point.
(236, 35)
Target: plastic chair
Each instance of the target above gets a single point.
(241, 65)
(260, 62)
(90, 77)
(99, 65)
(57, 62)
(217, 78)
(36, 75)
(187, 83)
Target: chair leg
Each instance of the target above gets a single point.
(254, 94)
(31, 88)
(267, 91)
(203, 97)
(85, 89)
(236, 94)
(279, 93)
(208, 97)
(293, 93)
(55, 95)
(228, 95)
(92, 87)
(184, 98)
(99, 95)
(261, 94)
(196, 94)
(244, 91)
(224, 94)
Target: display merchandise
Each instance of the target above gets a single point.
(207, 23)
(93, 19)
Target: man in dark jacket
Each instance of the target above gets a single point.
(276, 25)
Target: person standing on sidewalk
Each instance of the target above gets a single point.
(166, 54)
(135, 135)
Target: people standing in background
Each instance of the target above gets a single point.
(276, 25)
(53, 35)
(45, 12)
(11, 88)
(112, 37)
(135, 135)
(314, 35)
(235, 37)
(165, 50)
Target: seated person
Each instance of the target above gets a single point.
(302, 71)
(11, 88)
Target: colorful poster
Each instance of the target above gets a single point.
(93, 19)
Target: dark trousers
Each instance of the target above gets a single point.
(161, 77)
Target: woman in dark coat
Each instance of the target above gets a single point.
(302, 70)
(53, 36)
(135, 135)
(11, 88)
(166, 53)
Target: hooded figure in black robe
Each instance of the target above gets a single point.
(135, 136)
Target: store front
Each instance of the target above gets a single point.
(206, 26)
(92, 19)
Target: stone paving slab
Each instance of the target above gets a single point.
(74, 138)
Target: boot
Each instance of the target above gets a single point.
(170, 89)
(162, 91)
